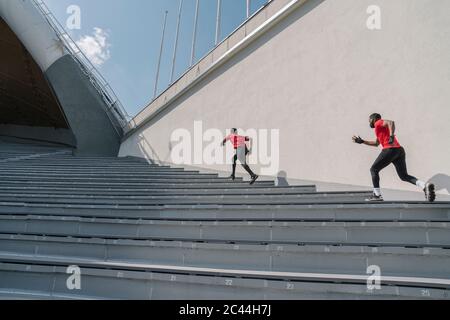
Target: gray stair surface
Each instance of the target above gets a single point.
(144, 231)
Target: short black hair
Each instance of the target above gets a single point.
(375, 116)
(234, 130)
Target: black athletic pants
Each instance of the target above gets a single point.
(396, 156)
(244, 165)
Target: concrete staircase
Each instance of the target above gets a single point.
(143, 231)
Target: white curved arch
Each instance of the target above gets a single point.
(33, 31)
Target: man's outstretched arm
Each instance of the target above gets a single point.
(359, 140)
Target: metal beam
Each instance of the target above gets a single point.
(174, 58)
(160, 55)
(194, 36)
(218, 20)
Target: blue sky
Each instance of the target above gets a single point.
(123, 38)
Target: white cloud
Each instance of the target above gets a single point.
(96, 46)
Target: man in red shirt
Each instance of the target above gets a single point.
(393, 153)
(240, 147)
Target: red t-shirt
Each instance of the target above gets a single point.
(383, 135)
(237, 141)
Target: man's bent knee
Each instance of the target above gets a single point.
(374, 171)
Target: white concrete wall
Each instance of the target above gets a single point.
(33, 31)
(317, 76)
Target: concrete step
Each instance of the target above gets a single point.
(112, 176)
(26, 295)
(56, 154)
(48, 278)
(173, 191)
(155, 179)
(163, 183)
(34, 150)
(70, 158)
(53, 155)
(323, 197)
(399, 234)
(81, 172)
(51, 163)
(340, 212)
(61, 154)
(393, 261)
(31, 150)
(43, 162)
(23, 166)
(100, 171)
(21, 154)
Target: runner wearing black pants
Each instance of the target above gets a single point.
(393, 153)
(240, 147)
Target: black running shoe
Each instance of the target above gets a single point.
(232, 177)
(254, 178)
(430, 192)
(375, 198)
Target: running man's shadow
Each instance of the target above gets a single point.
(442, 182)
(282, 179)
